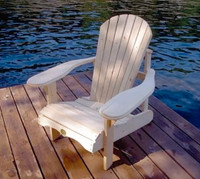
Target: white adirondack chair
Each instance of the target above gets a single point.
(104, 117)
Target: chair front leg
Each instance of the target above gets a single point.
(51, 96)
(108, 144)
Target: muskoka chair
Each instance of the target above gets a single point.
(99, 120)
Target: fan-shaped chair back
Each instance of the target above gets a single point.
(122, 44)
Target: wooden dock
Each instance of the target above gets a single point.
(169, 147)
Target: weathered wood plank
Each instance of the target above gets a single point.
(140, 161)
(175, 118)
(22, 150)
(94, 163)
(122, 166)
(174, 150)
(159, 156)
(178, 135)
(65, 150)
(64, 92)
(75, 87)
(7, 167)
(42, 147)
(89, 74)
(83, 81)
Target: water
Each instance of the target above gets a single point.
(36, 35)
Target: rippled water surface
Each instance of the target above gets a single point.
(36, 35)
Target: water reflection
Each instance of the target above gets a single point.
(35, 35)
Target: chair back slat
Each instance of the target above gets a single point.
(122, 44)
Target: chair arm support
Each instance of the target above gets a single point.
(57, 72)
(125, 102)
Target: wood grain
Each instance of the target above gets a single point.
(7, 167)
(19, 140)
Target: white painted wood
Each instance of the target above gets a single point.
(106, 56)
(147, 64)
(51, 93)
(91, 139)
(124, 45)
(116, 49)
(91, 104)
(125, 102)
(56, 73)
(92, 145)
(94, 141)
(51, 96)
(68, 114)
(141, 44)
(121, 56)
(145, 105)
(108, 144)
(125, 126)
(100, 49)
(127, 60)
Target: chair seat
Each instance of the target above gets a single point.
(79, 120)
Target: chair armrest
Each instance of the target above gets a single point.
(57, 72)
(125, 102)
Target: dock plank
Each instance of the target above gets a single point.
(22, 150)
(140, 161)
(170, 167)
(83, 81)
(50, 166)
(190, 165)
(180, 137)
(123, 167)
(175, 118)
(7, 166)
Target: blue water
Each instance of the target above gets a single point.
(36, 35)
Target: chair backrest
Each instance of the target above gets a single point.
(122, 43)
